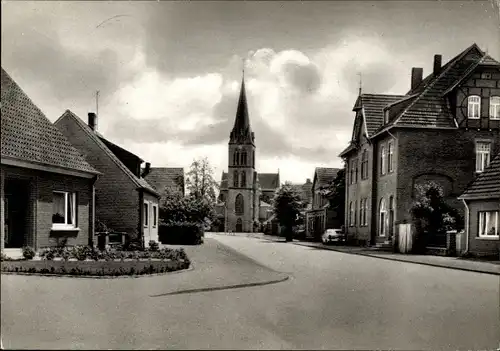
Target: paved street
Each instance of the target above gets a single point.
(332, 301)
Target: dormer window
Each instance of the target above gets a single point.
(386, 116)
(474, 106)
(495, 107)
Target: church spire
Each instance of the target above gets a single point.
(242, 132)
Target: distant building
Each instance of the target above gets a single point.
(242, 188)
(320, 216)
(47, 187)
(124, 200)
(165, 179)
(445, 129)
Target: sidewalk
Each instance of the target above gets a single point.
(429, 260)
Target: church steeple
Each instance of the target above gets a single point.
(242, 133)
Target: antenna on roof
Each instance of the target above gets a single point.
(360, 82)
(97, 103)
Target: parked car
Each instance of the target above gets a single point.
(332, 235)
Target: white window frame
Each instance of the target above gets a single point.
(474, 105)
(483, 156)
(495, 107)
(66, 225)
(365, 223)
(390, 156)
(484, 218)
(382, 222)
(383, 155)
(145, 210)
(155, 216)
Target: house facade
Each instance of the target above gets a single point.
(482, 212)
(124, 200)
(47, 187)
(242, 188)
(445, 130)
(320, 216)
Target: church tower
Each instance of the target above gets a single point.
(241, 178)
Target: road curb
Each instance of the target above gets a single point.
(400, 260)
(226, 287)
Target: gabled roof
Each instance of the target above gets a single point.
(372, 106)
(27, 135)
(430, 109)
(269, 181)
(97, 138)
(487, 184)
(161, 178)
(324, 176)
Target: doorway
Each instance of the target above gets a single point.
(17, 210)
(239, 225)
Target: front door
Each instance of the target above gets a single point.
(239, 225)
(16, 213)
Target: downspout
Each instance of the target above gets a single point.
(92, 215)
(140, 232)
(466, 227)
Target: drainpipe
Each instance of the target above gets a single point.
(466, 227)
(92, 215)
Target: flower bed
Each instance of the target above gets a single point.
(82, 260)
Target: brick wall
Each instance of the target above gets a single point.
(117, 197)
(438, 154)
(39, 231)
(477, 245)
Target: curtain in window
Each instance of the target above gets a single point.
(58, 210)
(71, 209)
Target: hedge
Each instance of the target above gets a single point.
(181, 233)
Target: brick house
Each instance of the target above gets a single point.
(125, 201)
(47, 187)
(320, 217)
(482, 208)
(165, 179)
(242, 188)
(444, 129)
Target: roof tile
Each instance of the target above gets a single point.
(487, 184)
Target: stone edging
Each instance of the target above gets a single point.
(124, 276)
(401, 260)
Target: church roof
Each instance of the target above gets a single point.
(324, 176)
(241, 132)
(269, 180)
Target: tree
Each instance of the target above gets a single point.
(335, 192)
(176, 208)
(431, 214)
(200, 181)
(287, 205)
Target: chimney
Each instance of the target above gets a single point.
(416, 77)
(437, 64)
(146, 170)
(308, 181)
(92, 121)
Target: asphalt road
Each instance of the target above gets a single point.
(332, 301)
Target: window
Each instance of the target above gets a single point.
(382, 159)
(235, 179)
(386, 116)
(155, 216)
(486, 75)
(390, 157)
(483, 150)
(365, 221)
(63, 209)
(352, 173)
(146, 214)
(243, 179)
(238, 205)
(253, 159)
(364, 164)
(495, 107)
(244, 158)
(355, 210)
(235, 158)
(488, 224)
(356, 171)
(351, 215)
(474, 106)
(361, 212)
(382, 217)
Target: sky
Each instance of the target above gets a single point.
(169, 72)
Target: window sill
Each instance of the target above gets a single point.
(65, 229)
(492, 237)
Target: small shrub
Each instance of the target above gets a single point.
(181, 233)
(28, 253)
(154, 246)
